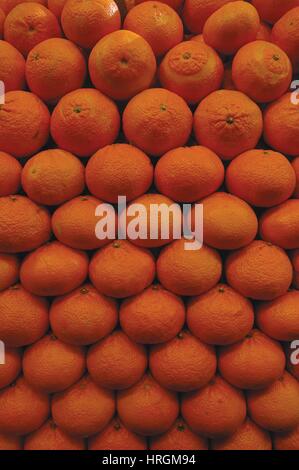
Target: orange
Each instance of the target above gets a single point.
(2, 19)
(263, 178)
(220, 316)
(160, 228)
(229, 223)
(254, 362)
(295, 262)
(284, 138)
(54, 68)
(23, 133)
(29, 24)
(50, 437)
(192, 70)
(288, 440)
(198, 38)
(83, 316)
(188, 272)
(12, 67)
(23, 225)
(179, 437)
(285, 34)
(23, 408)
(272, 10)
(153, 316)
(262, 71)
(54, 269)
(276, 408)
(24, 317)
(12, 367)
(147, 408)
(52, 177)
(8, 5)
(74, 223)
(84, 121)
(56, 7)
(231, 26)
(183, 363)
(216, 410)
(187, 174)
(175, 4)
(119, 170)
(259, 270)
(117, 437)
(10, 174)
(122, 64)
(83, 409)
(157, 23)
(280, 225)
(228, 122)
(116, 362)
(295, 164)
(9, 270)
(264, 33)
(52, 366)
(196, 12)
(280, 317)
(156, 121)
(248, 437)
(9, 442)
(85, 23)
(121, 269)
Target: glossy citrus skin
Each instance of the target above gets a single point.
(51, 437)
(15, 121)
(18, 416)
(121, 269)
(196, 12)
(139, 401)
(153, 316)
(85, 23)
(263, 178)
(9, 270)
(157, 23)
(12, 367)
(52, 177)
(96, 403)
(12, 67)
(214, 410)
(285, 35)
(122, 64)
(83, 316)
(10, 174)
(28, 25)
(84, 121)
(54, 68)
(117, 437)
(116, 362)
(276, 407)
(119, 169)
(177, 437)
(262, 71)
(66, 269)
(221, 316)
(25, 317)
(156, 121)
(228, 122)
(191, 70)
(280, 225)
(249, 436)
(255, 362)
(40, 366)
(188, 174)
(183, 364)
(231, 26)
(272, 10)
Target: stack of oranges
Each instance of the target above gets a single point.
(142, 344)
